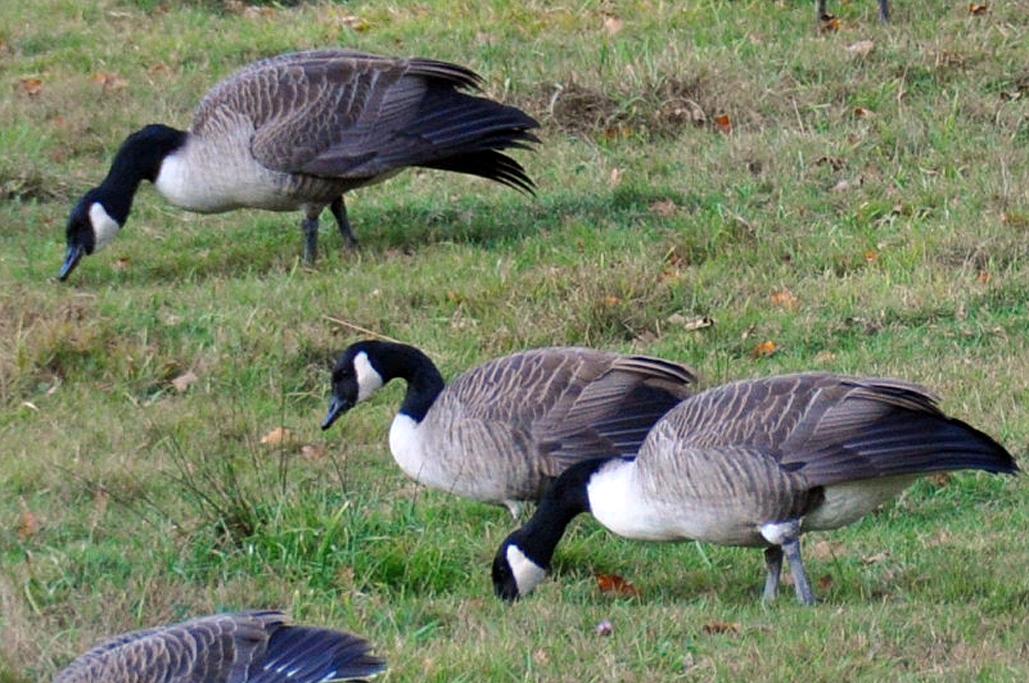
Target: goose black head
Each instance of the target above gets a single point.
(90, 228)
(98, 217)
(515, 572)
(356, 377)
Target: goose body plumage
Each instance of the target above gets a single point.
(500, 432)
(759, 462)
(296, 131)
(250, 647)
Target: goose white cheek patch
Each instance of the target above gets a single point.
(527, 574)
(105, 228)
(368, 380)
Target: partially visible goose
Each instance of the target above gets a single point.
(823, 14)
(757, 463)
(500, 432)
(251, 647)
(298, 130)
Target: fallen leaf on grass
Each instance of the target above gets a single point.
(862, 113)
(861, 48)
(690, 324)
(110, 82)
(28, 523)
(613, 25)
(825, 582)
(871, 256)
(354, 23)
(830, 24)
(718, 627)
(978, 10)
(940, 479)
(276, 436)
(723, 123)
(784, 299)
(184, 381)
(31, 86)
(664, 209)
(313, 452)
(875, 559)
(611, 300)
(765, 349)
(612, 583)
(824, 550)
(984, 277)
(605, 628)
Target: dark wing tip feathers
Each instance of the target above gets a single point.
(303, 654)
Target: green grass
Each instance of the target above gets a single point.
(919, 269)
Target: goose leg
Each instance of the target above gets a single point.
(800, 582)
(310, 227)
(773, 562)
(339, 211)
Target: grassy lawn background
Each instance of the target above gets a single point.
(866, 214)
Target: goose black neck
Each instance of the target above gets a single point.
(138, 159)
(424, 382)
(564, 500)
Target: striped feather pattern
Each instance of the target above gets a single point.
(255, 647)
(503, 430)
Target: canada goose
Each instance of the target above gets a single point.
(884, 11)
(259, 647)
(756, 463)
(298, 130)
(500, 432)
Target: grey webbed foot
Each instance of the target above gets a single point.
(339, 211)
(773, 562)
(310, 227)
(792, 550)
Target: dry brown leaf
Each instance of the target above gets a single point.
(28, 523)
(121, 263)
(940, 479)
(665, 209)
(978, 10)
(871, 256)
(611, 300)
(862, 113)
(784, 299)
(877, 558)
(612, 583)
(616, 178)
(605, 628)
(723, 123)
(984, 277)
(719, 627)
(110, 82)
(1015, 220)
(824, 550)
(830, 24)
(184, 381)
(613, 25)
(765, 349)
(276, 436)
(862, 48)
(825, 583)
(31, 86)
(314, 452)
